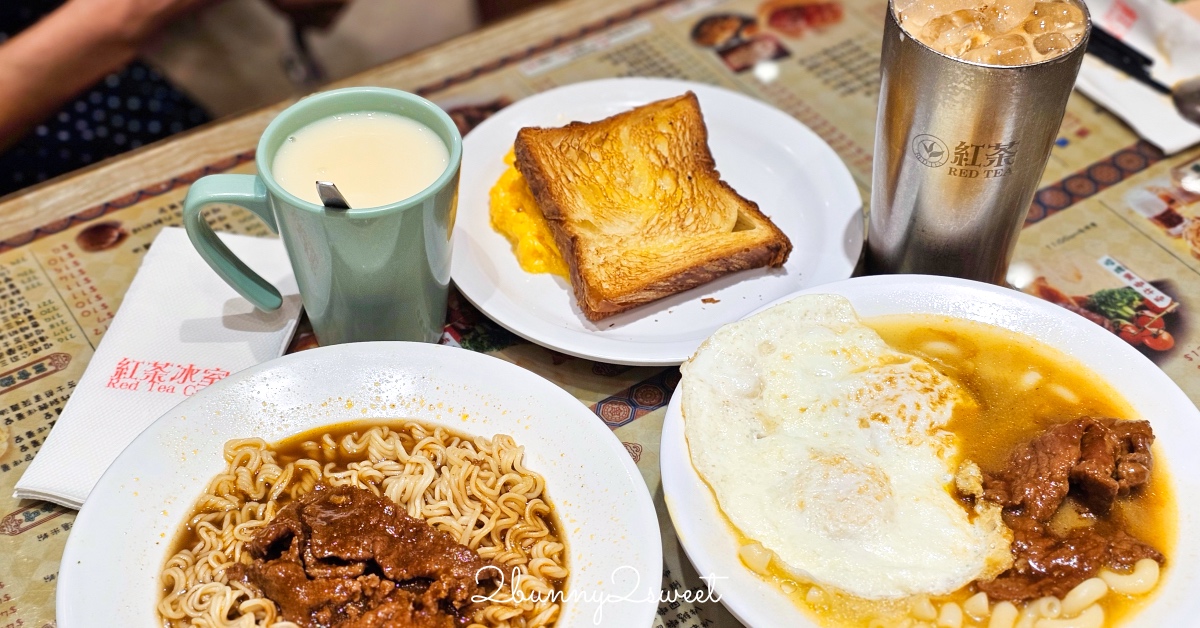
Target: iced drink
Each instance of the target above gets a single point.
(971, 99)
(1003, 32)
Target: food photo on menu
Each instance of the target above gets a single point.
(1171, 204)
(1147, 314)
(679, 314)
(742, 41)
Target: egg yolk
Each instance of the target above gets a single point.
(516, 215)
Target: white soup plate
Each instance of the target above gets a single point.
(708, 538)
(110, 569)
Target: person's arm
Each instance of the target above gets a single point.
(49, 63)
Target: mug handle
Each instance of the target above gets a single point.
(243, 190)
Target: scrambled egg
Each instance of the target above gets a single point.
(515, 214)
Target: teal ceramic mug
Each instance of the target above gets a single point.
(364, 274)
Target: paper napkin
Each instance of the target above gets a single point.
(1168, 36)
(179, 329)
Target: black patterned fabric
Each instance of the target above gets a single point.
(125, 110)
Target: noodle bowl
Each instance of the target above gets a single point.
(475, 489)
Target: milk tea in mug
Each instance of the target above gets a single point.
(373, 157)
(379, 270)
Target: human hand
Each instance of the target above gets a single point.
(314, 13)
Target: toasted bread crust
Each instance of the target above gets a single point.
(772, 255)
(637, 268)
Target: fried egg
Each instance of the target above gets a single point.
(829, 448)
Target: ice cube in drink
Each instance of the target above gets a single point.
(994, 32)
(1004, 15)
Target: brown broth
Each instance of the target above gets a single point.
(300, 445)
(990, 364)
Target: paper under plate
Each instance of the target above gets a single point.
(765, 154)
(122, 537)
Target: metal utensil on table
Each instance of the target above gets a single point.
(1120, 55)
(1187, 99)
(330, 196)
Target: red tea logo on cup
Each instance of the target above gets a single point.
(930, 151)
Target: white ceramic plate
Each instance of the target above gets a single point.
(109, 573)
(765, 154)
(706, 536)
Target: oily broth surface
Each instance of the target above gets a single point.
(308, 444)
(991, 364)
(320, 443)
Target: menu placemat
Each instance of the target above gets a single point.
(1112, 215)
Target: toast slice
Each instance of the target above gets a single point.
(638, 209)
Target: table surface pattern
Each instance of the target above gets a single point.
(70, 248)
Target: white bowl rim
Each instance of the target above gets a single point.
(623, 482)
(759, 605)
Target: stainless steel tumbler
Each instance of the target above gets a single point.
(959, 150)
